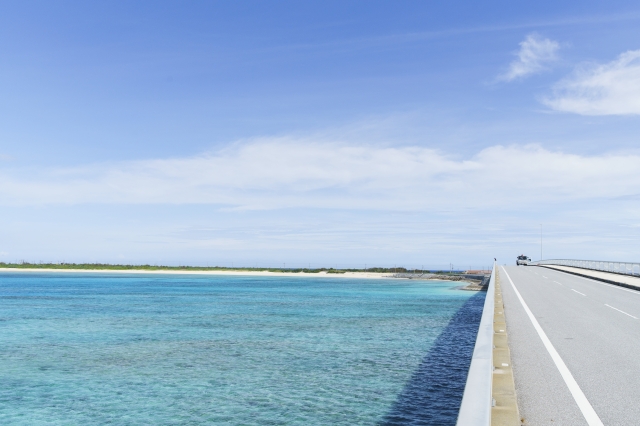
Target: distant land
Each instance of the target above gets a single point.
(146, 267)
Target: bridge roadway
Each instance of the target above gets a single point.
(595, 329)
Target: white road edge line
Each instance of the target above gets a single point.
(587, 410)
(620, 311)
(578, 292)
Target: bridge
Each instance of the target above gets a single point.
(557, 345)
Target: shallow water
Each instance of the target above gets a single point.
(231, 350)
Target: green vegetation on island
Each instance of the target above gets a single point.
(116, 267)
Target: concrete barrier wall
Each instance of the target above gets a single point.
(475, 409)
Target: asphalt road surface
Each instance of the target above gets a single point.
(593, 327)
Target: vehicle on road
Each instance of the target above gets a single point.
(523, 260)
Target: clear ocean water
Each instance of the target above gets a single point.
(94, 349)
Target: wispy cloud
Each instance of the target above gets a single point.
(281, 173)
(603, 89)
(411, 37)
(534, 54)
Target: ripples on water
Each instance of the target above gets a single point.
(228, 350)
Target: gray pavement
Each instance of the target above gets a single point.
(594, 327)
(625, 280)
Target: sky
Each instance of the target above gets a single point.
(321, 134)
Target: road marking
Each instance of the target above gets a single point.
(609, 285)
(544, 277)
(620, 311)
(587, 410)
(557, 282)
(600, 282)
(578, 292)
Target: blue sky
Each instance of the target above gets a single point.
(331, 133)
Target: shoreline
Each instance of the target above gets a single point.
(324, 274)
(469, 286)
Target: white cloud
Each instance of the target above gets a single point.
(278, 173)
(609, 89)
(534, 53)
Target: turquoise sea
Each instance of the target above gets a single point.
(125, 349)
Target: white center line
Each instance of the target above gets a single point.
(587, 410)
(544, 277)
(620, 311)
(578, 292)
(557, 282)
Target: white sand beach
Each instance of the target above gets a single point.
(323, 274)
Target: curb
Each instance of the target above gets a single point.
(504, 410)
(618, 283)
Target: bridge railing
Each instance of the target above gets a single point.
(475, 409)
(625, 268)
